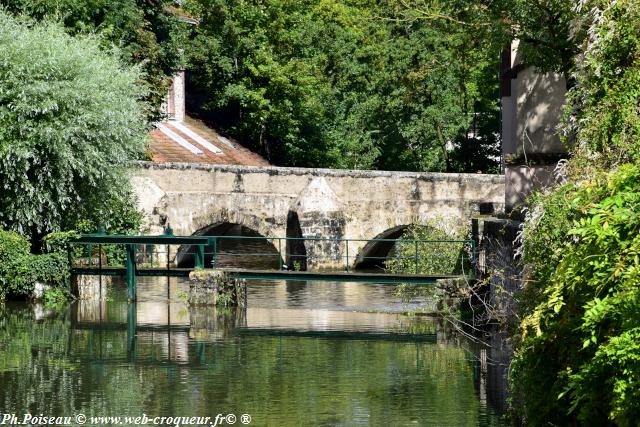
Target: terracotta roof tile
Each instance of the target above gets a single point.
(163, 149)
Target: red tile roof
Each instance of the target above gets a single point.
(181, 15)
(165, 149)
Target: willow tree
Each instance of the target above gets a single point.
(70, 117)
(147, 33)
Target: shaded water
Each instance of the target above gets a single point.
(303, 353)
(236, 247)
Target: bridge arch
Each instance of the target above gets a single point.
(239, 246)
(372, 255)
(202, 223)
(438, 250)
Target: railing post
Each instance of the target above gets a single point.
(416, 259)
(347, 251)
(199, 256)
(131, 271)
(100, 269)
(279, 253)
(168, 231)
(168, 272)
(213, 242)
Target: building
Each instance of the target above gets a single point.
(532, 104)
(181, 138)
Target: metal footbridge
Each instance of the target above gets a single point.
(408, 261)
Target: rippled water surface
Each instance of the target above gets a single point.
(302, 353)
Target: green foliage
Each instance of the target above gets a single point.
(69, 120)
(544, 29)
(114, 209)
(443, 253)
(20, 270)
(59, 241)
(12, 246)
(602, 124)
(56, 298)
(146, 32)
(581, 247)
(224, 299)
(354, 84)
(580, 333)
(545, 236)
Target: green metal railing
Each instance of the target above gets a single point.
(167, 254)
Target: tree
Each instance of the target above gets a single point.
(543, 29)
(353, 84)
(602, 121)
(146, 31)
(578, 358)
(70, 118)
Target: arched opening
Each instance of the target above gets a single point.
(423, 249)
(237, 246)
(296, 250)
(375, 253)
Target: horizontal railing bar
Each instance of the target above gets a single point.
(204, 240)
(155, 240)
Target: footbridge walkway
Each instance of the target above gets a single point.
(257, 257)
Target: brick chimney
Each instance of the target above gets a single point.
(174, 104)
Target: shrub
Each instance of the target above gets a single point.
(12, 247)
(20, 270)
(443, 253)
(579, 356)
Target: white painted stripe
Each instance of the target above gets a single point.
(180, 140)
(197, 138)
(226, 141)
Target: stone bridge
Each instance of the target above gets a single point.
(294, 202)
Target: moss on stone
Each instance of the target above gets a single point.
(216, 287)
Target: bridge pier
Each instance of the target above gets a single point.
(89, 287)
(322, 223)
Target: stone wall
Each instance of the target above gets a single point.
(279, 202)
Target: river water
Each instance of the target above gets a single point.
(301, 354)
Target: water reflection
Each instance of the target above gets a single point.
(298, 355)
